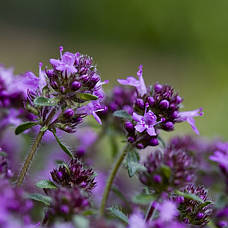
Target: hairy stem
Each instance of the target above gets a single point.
(35, 146)
(111, 179)
(29, 158)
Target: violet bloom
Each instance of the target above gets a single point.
(189, 117)
(146, 122)
(65, 64)
(221, 156)
(168, 211)
(139, 84)
(91, 109)
(137, 220)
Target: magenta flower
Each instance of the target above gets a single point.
(139, 84)
(168, 211)
(189, 117)
(91, 109)
(137, 220)
(146, 122)
(65, 64)
(221, 156)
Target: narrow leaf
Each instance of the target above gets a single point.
(3, 154)
(40, 198)
(122, 114)
(86, 96)
(46, 184)
(116, 212)
(132, 162)
(43, 101)
(64, 148)
(25, 126)
(189, 196)
(143, 199)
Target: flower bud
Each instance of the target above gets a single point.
(129, 126)
(68, 113)
(140, 103)
(158, 87)
(164, 104)
(169, 126)
(153, 142)
(151, 101)
(75, 85)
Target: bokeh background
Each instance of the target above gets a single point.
(183, 43)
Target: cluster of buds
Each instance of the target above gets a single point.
(12, 93)
(66, 202)
(167, 170)
(67, 87)
(13, 203)
(195, 212)
(155, 107)
(74, 175)
(74, 185)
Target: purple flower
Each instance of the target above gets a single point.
(188, 117)
(91, 109)
(74, 175)
(139, 84)
(221, 156)
(65, 64)
(146, 122)
(137, 220)
(168, 211)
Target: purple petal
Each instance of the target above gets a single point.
(151, 131)
(140, 128)
(137, 117)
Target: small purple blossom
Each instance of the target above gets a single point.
(189, 117)
(168, 211)
(139, 84)
(146, 122)
(65, 64)
(137, 220)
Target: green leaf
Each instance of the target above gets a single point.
(86, 96)
(40, 198)
(46, 184)
(166, 171)
(132, 162)
(25, 126)
(189, 196)
(80, 221)
(43, 101)
(143, 199)
(116, 212)
(122, 114)
(64, 148)
(89, 212)
(3, 154)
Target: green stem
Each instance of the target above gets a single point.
(111, 179)
(29, 158)
(35, 146)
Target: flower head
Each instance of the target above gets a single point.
(74, 175)
(192, 211)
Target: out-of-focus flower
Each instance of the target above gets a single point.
(137, 220)
(168, 211)
(13, 205)
(167, 170)
(66, 202)
(221, 218)
(221, 156)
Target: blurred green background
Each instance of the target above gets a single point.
(184, 43)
